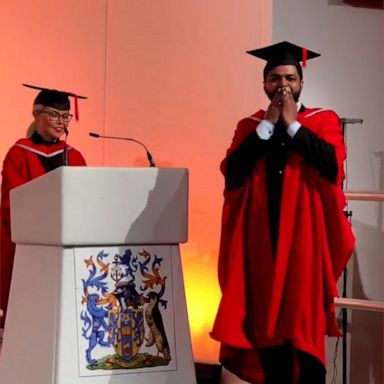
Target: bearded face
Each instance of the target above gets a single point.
(283, 76)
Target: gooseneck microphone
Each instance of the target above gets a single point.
(65, 153)
(149, 156)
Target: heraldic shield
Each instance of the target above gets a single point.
(127, 330)
(126, 315)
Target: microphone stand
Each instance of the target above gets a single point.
(344, 314)
(65, 153)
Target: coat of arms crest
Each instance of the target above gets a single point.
(122, 311)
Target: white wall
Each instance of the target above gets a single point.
(348, 78)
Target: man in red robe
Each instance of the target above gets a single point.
(29, 158)
(285, 239)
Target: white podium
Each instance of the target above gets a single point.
(97, 294)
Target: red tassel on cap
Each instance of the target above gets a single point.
(76, 109)
(304, 57)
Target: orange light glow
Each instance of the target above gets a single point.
(203, 295)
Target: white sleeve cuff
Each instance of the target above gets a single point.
(265, 129)
(293, 128)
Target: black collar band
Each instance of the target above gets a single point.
(38, 139)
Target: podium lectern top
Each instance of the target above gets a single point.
(74, 206)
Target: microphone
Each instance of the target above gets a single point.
(149, 156)
(65, 153)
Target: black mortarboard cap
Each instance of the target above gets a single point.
(283, 53)
(55, 99)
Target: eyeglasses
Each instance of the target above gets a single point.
(54, 116)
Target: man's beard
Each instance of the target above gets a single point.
(295, 95)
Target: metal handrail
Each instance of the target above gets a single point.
(367, 305)
(364, 195)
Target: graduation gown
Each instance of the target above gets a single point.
(278, 267)
(25, 160)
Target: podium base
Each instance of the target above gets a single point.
(97, 315)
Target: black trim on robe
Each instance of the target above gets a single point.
(317, 152)
(49, 163)
(278, 149)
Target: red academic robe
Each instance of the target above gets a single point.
(21, 165)
(267, 299)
